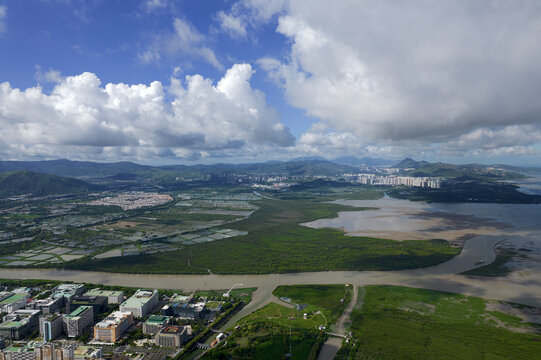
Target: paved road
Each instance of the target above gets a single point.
(333, 344)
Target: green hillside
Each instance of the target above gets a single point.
(128, 170)
(475, 171)
(27, 182)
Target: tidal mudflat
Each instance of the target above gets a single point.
(475, 227)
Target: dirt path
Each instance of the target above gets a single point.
(345, 319)
(330, 348)
(332, 345)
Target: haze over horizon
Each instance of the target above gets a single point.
(162, 81)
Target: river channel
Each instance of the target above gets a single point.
(477, 226)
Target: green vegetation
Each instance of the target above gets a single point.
(244, 294)
(476, 171)
(129, 171)
(26, 182)
(468, 190)
(274, 330)
(82, 209)
(277, 243)
(496, 268)
(331, 300)
(270, 343)
(407, 323)
(10, 248)
(220, 320)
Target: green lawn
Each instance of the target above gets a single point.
(277, 243)
(407, 323)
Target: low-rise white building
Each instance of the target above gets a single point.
(141, 303)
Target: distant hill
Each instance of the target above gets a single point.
(27, 182)
(473, 171)
(291, 168)
(409, 163)
(68, 168)
(130, 171)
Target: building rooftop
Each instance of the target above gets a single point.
(172, 330)
(50, 316)
(47, 301)
(12, 324)
(66, 290)
(99, 292)
(138, 299)
(157, 319)
(21, 316)
(77, 312)
(113, 319)
(67, 287)
(85, 352)
(181, 298)
(13, 298)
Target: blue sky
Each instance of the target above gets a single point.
(163, 81)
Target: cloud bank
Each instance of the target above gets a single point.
(447, 73)
(187, 119)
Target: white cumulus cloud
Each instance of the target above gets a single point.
(185, 40)
(232, 25)
(136, 121)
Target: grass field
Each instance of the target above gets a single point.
(277, 243)
(406, 323)
(264, 334)
(324, 298)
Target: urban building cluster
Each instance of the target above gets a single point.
(39, 350)
(134, 200)
(68, 313)
(393, 180)
(249, 179)
(273, 186)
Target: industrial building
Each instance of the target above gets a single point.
(17, 353)
(113, 326)
(19, 323)
(195, 311)
(78, 321)
(13, 302)
(171, 336)
(68, 291)
(98, 303)
(113, 297)
(47, 306)
(54, 352)
(155, 323)
(141, 303)
(50, 326)
(37, 350)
